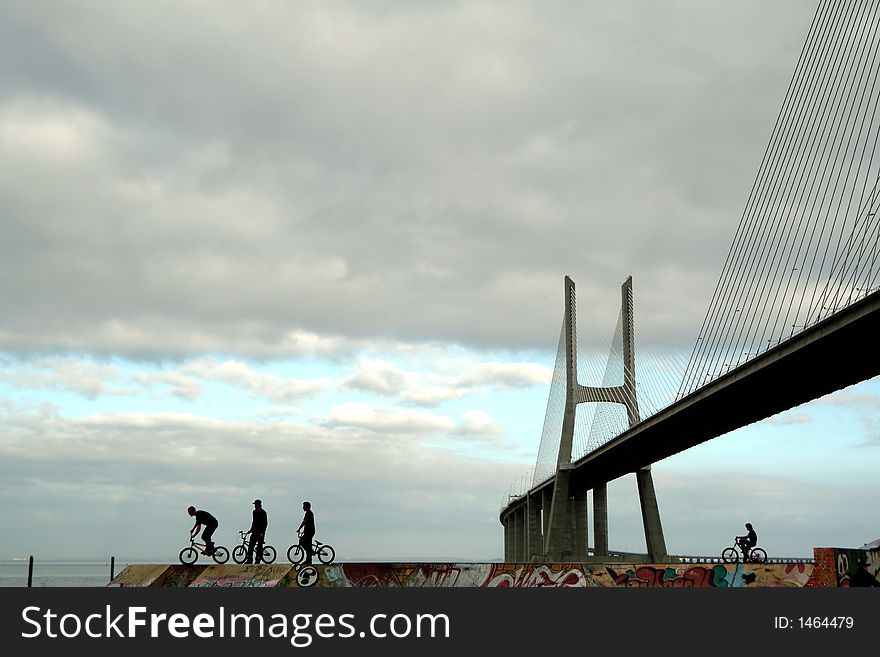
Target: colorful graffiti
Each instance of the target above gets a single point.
(846, 567)
(717, 576)
(457, 575)
(832, 567)
(245, 576)
(541, 575)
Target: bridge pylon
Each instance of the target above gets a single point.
(564, 535)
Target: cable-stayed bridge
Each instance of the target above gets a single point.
(795, 314)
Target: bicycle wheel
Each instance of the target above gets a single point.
(730, 555)
(239, 554)
(326, 554)
(221, 554)
(758, 555)
(295, 554)
(269, 554)
(188, 556)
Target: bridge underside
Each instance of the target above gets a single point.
(838, 352)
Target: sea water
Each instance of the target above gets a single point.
(48, 572)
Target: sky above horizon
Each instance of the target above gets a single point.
(316, 250)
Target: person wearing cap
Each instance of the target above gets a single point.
(258, 533)
(306, 530)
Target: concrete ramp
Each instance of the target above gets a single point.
(142, 574)
(831, 567)
(178, 576)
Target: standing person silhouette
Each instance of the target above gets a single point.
(210, 523)
(747, 542)
(258, 532)
(863, 576)
(307, 527)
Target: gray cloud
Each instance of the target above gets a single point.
(268, 386)
(176, 186)
(379, 377)
(181, 386)
(790, 418)
(449, 378)
(86, 378)
(361, 483)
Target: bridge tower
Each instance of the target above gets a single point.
(565, 525)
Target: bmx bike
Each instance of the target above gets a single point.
(755, 555)
(325, 553)
(239, 552)
(189, 555)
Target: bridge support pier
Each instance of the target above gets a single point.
(508, 539)
(534, 536)
(600, 520)
(557, 541)
(546, 502)
(651, 515)
(580, 526)
(519, 535)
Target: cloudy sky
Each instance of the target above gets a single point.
(315, 250)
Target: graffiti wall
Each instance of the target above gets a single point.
(566, 575)
(847, 567)
(722, 576)
(244, 576)
(832, 567)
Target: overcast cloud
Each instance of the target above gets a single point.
(192, 177)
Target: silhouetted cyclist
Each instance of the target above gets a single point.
(210, 523)
(258, 533)
(747, 542)
(307, 527)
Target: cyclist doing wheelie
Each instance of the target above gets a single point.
(747, 542)
(210, 523)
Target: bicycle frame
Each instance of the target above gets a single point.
(736, 553)
(201, 547)
(190, 554)
(324, 552)
(239, 552)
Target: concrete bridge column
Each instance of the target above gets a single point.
(557, 541)
(600, 519)
(651, 515)
(508, 538)
(546, 502)
(580, 526)
(534, 535)
(517, 536)
(512, 520)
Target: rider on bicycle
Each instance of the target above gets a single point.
(258, 532)
(210, 523)
(747, 542)
(307, 527)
